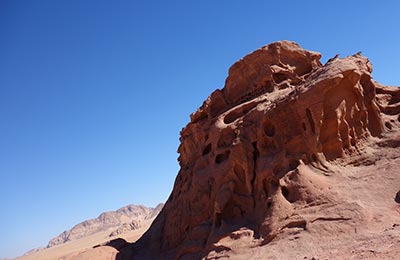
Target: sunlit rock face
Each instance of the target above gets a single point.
(256, 155)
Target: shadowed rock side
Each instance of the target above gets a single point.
(257, 156)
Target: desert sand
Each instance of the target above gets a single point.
(126, 224)
(83, 248)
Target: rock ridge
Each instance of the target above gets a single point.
(122, 220)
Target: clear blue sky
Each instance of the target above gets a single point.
(93, 94)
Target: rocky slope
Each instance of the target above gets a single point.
(289, 150)
(117, 222)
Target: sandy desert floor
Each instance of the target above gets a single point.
(83, 248)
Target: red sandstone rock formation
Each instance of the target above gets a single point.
(257, 155)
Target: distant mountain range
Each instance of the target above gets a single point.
(117, 222)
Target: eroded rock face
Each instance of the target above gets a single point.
(255, 154)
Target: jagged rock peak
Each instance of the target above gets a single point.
(281, 71)
(259, 72)
(255, 153)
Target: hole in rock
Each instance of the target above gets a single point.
(290, 196)
(285, 192)
(388, 125)
(279, 77)
(239, 112)
(222, 157)
(269, 129)
(310, 120)
(297, 224)
(292, 177)
(314, 157)
(304, 126)
(397, 198)
(207, 149)
(256, 154)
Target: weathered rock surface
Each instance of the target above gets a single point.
(274, 154)
(118, 222)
